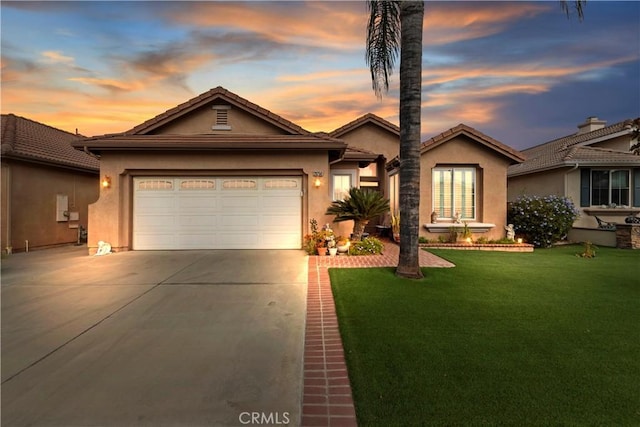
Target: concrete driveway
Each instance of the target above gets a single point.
(180, 338)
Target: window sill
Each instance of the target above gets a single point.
(444, 227)
(617, 211)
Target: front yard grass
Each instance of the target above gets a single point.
(543, 338)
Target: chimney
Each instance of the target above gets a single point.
(592, 123)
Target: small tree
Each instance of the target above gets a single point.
(542, 220)
(360, 206)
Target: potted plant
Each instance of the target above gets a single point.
(342, 245)
(321, 249)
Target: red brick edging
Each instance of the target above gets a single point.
(326, 399)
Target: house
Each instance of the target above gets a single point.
(594, 167)
(46, 185)
(220, 172)
(463, 183)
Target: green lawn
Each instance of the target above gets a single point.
(543, 338)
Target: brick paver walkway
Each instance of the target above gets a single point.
(327, 399)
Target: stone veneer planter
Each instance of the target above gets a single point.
(515, 247)
(628, 236)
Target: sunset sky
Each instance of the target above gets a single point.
(520, 72)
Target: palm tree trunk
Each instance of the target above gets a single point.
(411, 18)
(358, 229)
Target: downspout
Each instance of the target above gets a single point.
(566, 178)
(7, 193)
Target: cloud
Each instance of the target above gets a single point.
(450, 22)
(109, 84)
(285, 22)
(54, 56)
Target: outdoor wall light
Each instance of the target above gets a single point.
(317, 175)
(106, 181)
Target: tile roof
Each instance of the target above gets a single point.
(208, 97)
(572, 149)
(475, 134)
(367, 118)
(28, 140)
(359, 154)
(120, 142)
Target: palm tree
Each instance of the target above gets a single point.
(361, 206)
(397, 26)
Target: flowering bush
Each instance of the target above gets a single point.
(542, 220)
(367, 246)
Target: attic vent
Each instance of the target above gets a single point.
(222, 117)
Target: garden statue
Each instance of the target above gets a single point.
(104, 248)
(434, 217)
(457, 217)
(511, 234)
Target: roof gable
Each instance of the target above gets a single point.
(29, 140)
(475, 135)
(364, 120)
(218, 95)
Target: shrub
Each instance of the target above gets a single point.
(542, 220)
(366, 246)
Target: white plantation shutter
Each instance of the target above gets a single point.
(454, 190)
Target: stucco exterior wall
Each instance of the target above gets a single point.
(538, 184)
(111, 216)
(375, 139)
(491, 183)
(201, 121)
(29, 204)
(621, 143)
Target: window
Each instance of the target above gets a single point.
(369, 176)
(239, 184)
(341, 182)
(454, 191)
(198, 184)
(610, 187)
(155, 184)
(394, 191)
(370, 171)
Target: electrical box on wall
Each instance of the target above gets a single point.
(62, 208)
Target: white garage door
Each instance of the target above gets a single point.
(217, 213)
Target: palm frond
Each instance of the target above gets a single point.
(383, 42)
(578, 5)
(359, 205)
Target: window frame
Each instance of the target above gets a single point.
(452, 194)
(610, 189)
(342, 172)
(394, 192)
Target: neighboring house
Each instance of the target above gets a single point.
(594, 167)
(219, 172)
(46, 185)
(463, 183)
